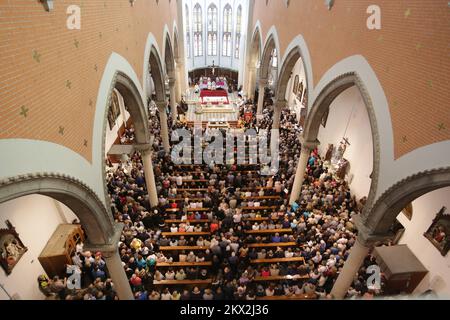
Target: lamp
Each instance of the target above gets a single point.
(48, 4)
(329, 4)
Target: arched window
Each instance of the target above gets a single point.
(238, 32)
(188, 34)
(227, 29)
(212, 30)
(198, 31)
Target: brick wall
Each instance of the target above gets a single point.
(49, 75)
(410, 55)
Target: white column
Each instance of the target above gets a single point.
(178, 80)
(274, 136)
(354, 261)
(118, 275)
(262, 89)
(150, 176)
(173, 100)
(163, 121)
(251, 82)
(305, 152)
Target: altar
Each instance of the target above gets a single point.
(210, 101)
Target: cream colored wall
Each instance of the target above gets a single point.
(111, 134)
(360, 152)
(290, 97)
(35, 218)
(424, 211)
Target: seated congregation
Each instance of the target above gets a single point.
(225, 232)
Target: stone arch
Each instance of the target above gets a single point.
(322, 104)
(94, 216)
(132, 97)
(176, 52)
(271, 43)
(157, 73)
(254, 58)
(169, 60)
(297, 49)
(379, 218)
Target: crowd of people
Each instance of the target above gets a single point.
(228, 206)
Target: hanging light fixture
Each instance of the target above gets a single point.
(48, 4)
(329, 4)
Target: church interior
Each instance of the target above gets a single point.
(224, 150)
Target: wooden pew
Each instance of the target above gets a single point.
(257, 188)
(184, 221)
(189, 199)
(260, 208)
(279, 278)
(189, 210)
(181, 248)
(260, 198)
(293, 297)
(184, 264)
(188, 234)
(268, 231)
(192, 189)
(275, 260)
(257, 219)
(242, 172)
(272, 245)
(182, 282)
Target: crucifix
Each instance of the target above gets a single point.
(213, 68)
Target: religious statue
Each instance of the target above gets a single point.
(329, 153)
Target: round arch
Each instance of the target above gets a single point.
(297, 49)
(132, 97)
(379, 218)
(169, 60)
(271, 43)
(157, 73)
(322, 104)
(254, 57)
(94, 216)
(176, 52)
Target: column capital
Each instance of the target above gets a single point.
(172, 81)
(310, 145)
(263, 82)
(161, 104)
(366, 236)
(143, 147)
(110, 248)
